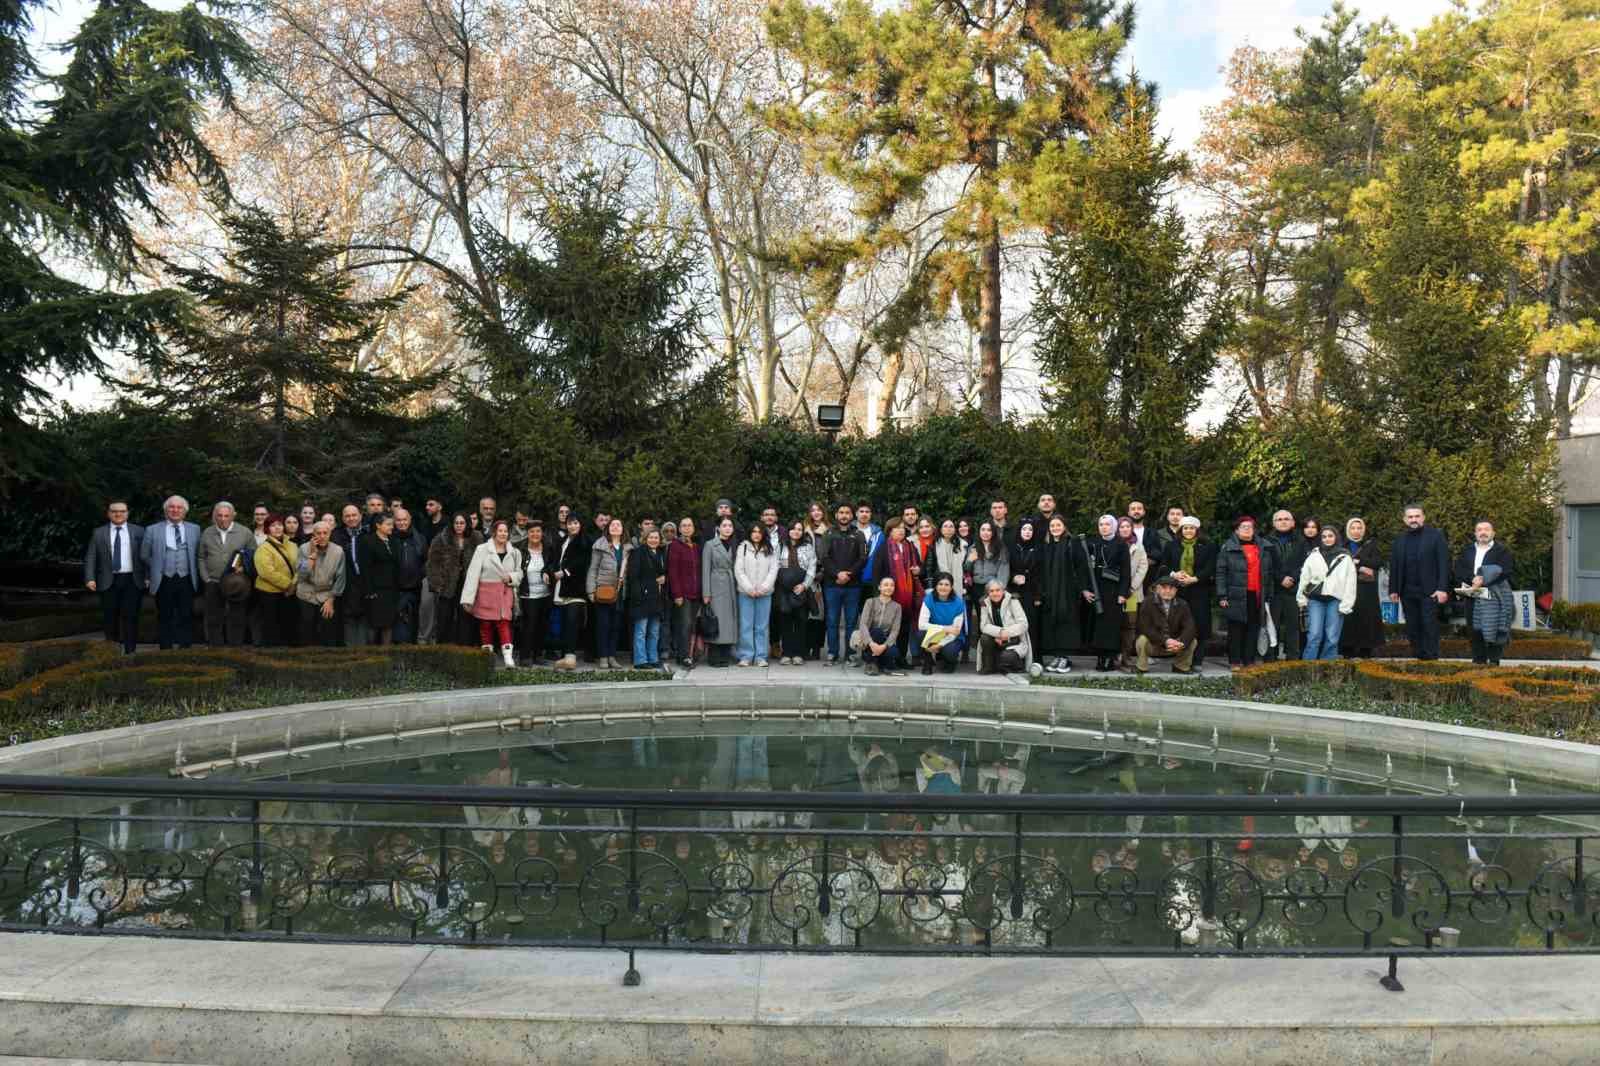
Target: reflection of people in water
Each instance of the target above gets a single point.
(486, 820)
(877, 770)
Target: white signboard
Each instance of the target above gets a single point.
(1523, 614)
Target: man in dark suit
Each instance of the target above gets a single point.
(1419, 580)
(113, 567)
(352, 607)
(172, 572)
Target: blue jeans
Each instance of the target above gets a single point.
(840, 600)
(754, 614)
(646, 639)
(1324, 623)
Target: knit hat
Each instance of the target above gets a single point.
(1189, 520)
(1242, 519)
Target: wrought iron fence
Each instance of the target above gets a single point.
(898, 873)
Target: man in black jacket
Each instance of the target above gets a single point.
(1290, 547)
(411, 561)
(352, 606)
(840, 558)
(1419, 580)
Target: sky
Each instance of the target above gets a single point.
(1181, 45)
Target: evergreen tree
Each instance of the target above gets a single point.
(985, 101)
(1445, 374)
(79, 151)
(593, 365)
(274, 333)
(1131, 318)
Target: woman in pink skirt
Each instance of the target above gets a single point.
(489, 590)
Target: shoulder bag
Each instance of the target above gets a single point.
(235, 582)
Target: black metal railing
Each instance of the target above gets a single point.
(895, 873)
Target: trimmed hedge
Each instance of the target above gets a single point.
(1575, 617)
(97, 671)
(1554, 648)
(1532, 699)
(75, 624)
(19, 661)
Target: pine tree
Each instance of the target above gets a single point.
(1131, 317)
(79, 152)
(987, 101)
(274, 333)
(593, 366)
(1446, 373)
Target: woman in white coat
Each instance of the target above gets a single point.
(1328, 593)
(755, 571)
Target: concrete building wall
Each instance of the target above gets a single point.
(1580, 477)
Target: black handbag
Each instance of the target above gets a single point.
(708, 623)
(788, 578)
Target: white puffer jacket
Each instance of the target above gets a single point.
(756, 573)
(1339, 582)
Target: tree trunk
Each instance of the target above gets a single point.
(280, 404)
(989, 397)
(893, 362)
(989, 325)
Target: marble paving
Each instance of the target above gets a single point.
(98, 1000)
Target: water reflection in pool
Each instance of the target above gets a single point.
(735, 877)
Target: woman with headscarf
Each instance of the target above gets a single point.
(1327, 592)
(1111, 577)
(1062, 590)
(1024, 566)
(1363, 629)
(1192, 562)
(899, 558)
(1130, 610)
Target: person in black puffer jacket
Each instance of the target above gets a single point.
(645, 591)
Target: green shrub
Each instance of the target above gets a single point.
(1575, 617)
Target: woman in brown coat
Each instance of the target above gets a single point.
(448, 557)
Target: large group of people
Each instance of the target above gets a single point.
(914, 592)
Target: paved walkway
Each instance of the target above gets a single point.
(142, 1000)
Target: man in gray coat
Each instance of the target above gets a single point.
(114, 568)
(172, 573)
(219, 545)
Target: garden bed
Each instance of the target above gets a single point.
(1559, 702)
(56, 689)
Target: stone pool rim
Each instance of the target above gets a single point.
(153, 743)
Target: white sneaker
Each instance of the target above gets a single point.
(743, 662)
(510, 655)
